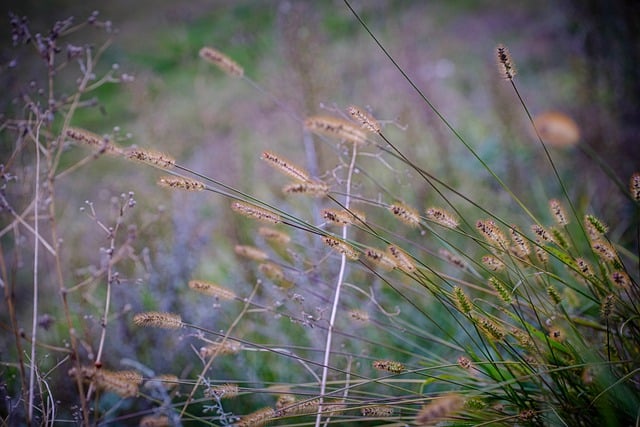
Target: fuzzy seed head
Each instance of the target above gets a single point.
(634, 186)
(492, 263)
(314, 188)
(439, 409)
(341, 247)
(501, 289)
(506, 66)
(286, 167)
(606, 309)
(223, 391)
(558, 212)
(542, 255)
(274, 236)
(377, 411)
(554, 295)
(464, 363)
(491, 329)
(389, 366)
(336, 128)
(272, 271)
(156, 319)
(251, 252)
(521, 247)
(462, 301)
(221, 348)
(594, 227)
(604, 250)
(621, 279)
(403, 261)
(212, 289)
(452, 259)
(584, 267)
(442, 217)
(492, 233)
(181, 183)
(405, 213)
(343, 217)
(542, 235)
(380, 258)
(222, 61)
(150, 157)
(364, 119)
(255, 212)
(155, 421)
(257, 418)
(359, 315)
(104, 145)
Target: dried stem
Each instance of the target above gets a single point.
(336, 297)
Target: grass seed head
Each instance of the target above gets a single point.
(222, 61)
(156, 319)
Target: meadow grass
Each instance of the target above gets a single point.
(377, 291)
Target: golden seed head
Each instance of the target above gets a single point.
(359, 315)
(115, 383)
(255, 212)
(284, 401)
(366, 120)
(222, 61)
(558, 212)
(223, 391)
(542, 234)
(150, 157)
(439, 409)
(155, 421)
(403, 261)
(492, 263)
(405, 213)
(251, 252)
(344, 217)
(492, 233)
(634, 186)
(312, 188)
(377, 411)
(274, 236)
(584, 267)
(285, 166)
(505, 64)
(464, 362)
(389, 366)
(156, 319)
(257, 418)
(543, 256)
(104, 145)
(341, 247)
(212, 289)
(335, 128)
(380, 258)
(221, 348)
(521, 247)
(181, 183)
(604, 250)
(621, 279)
(442, 217)
(272, 271)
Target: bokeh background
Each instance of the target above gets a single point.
(308, 57)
